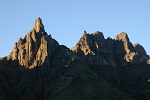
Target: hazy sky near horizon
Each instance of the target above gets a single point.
(66, 20)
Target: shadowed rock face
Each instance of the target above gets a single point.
(125, 46)
(139, 49)
(113, 51)
(97, 50)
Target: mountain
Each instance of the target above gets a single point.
(35, 48)
(38, 68)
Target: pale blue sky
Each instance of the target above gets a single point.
(66, 20)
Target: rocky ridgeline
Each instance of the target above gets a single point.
(37, 48)
(100, 51)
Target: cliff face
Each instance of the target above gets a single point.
(38, 68)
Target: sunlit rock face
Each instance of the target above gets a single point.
(39, 27)
(35, 48)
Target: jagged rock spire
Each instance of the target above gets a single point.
(33, 50)
(39, 27)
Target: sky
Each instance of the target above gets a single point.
(66, 20)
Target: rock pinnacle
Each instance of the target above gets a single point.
(39, 27)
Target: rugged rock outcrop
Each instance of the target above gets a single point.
(119, 51)
(124, 49)
(124, 45)
(35, 48)
(97, 50)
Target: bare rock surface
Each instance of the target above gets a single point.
(34, 48)
(118, 51)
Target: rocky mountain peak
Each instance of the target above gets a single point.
(33, 50)
(38, 26)
(123, 43)
(83, 46)
(119, 50)
(122, 36)
(97, 50)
